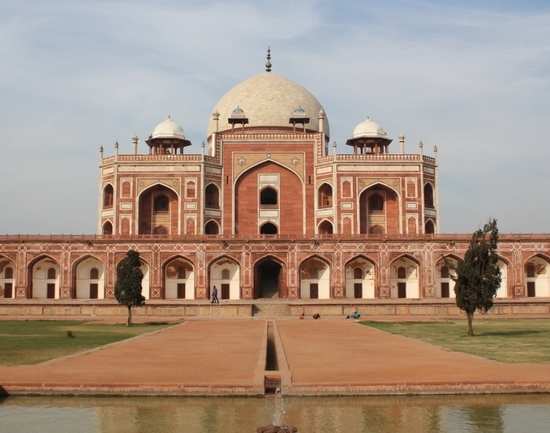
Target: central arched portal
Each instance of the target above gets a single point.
(268, 279)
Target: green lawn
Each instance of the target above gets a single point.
(506, 340)
(29, 342)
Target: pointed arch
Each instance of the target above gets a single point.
(152, 216)
(108, 196)
(228, 286)
(429, 195)
(107, 228)
(83, 286)
(405, 276)
(7, 276)
(212, 227)
(290, 200)
(325, 227)
(389, 216)
(360, 273)
(315, 277)
(39, 285)
(212, 196)
(324, 196)
(174, 284)
(270, 277)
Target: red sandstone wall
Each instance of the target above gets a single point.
(290, 200)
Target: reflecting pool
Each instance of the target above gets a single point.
(487, 414)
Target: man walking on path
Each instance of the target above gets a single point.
(215, 299)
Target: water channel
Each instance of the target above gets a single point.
(487, 414)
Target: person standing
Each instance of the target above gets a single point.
(215, 299)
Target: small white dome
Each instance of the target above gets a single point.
(368, 128)
(168, 129)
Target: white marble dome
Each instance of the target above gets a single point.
(168, 129)
(268, 99)
(368, 128)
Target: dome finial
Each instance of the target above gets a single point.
(268, 60)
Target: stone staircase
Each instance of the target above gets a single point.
(267, 310)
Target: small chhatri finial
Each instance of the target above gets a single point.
(268, 60)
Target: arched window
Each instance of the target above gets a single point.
(325, 228)
(428, 196)
(358, 274)
(211, 228)
(376, 230)
(429, 227)
(444, 272)
(212, 197)
(190, 190)
(401, 272)
(268, 229)
(346, 189)
(226, 275)
(126, 188)
(161, 203)
(180, 272)
(268, 196)
(107, 228)
(531, 270)
(108, 195)
(8, 273)
(325, 196)
(94, 274)
(51, 274)
(376, 203)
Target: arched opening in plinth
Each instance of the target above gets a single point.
(269, 279)
(360, 278)
(225, 275)
(179, 279)
(537, 277)
(88, 279)
(45, 278)
(7, 278)
(315, 279)
(405, 278)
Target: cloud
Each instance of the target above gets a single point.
(471, 79)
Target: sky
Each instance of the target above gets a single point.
(472, 77)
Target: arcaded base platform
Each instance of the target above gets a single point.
(170, 310)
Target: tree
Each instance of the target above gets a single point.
(477, 278)
(128, 283)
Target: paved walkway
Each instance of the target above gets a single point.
(228, 357)
(202, 356)
(339, 355)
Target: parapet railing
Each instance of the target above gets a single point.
(287, 238)
(193, 157)
(377, 157)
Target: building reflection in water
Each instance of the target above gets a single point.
(487, 414)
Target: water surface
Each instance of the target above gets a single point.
(487, 414)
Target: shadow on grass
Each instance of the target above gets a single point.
(512, 333)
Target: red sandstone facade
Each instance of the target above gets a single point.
(267, 213)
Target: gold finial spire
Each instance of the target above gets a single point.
(268, 60)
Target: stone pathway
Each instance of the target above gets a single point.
(344, 356)
(218, 356)
(228, 357)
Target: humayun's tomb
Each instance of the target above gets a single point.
(267, 210)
